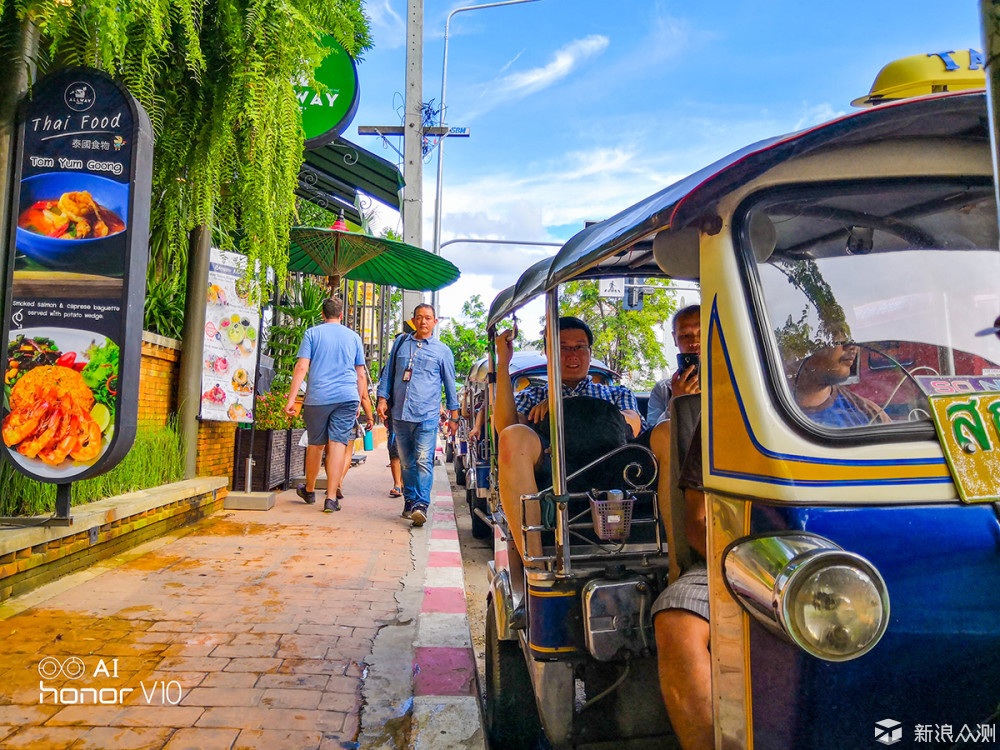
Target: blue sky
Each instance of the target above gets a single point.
(579, 108)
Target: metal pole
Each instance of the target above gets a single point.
(413, 141)
(501, 242)
(441, 139)
(556, 437)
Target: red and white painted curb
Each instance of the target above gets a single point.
(445, 698)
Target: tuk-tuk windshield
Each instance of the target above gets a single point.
(874, 293)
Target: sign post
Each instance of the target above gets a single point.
(76, 279)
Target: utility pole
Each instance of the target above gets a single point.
(413, 140)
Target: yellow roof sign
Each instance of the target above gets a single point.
(932, 73)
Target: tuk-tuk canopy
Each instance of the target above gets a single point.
(613, 247)
(530, 285)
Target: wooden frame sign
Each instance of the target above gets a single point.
(76, 277)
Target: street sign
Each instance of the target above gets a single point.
(611, 288)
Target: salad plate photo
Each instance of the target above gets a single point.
(61, 389)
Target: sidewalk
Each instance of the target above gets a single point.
(287, 628)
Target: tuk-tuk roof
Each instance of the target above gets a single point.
(529, 285)
(499, 307)
(478, 371)
(612, 247)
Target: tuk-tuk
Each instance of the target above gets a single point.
(527, 368)
(853, 546)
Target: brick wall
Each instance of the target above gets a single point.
(158, 383)
(159, 374)
(216, 441)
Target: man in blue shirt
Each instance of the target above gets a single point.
(820, 392)
(419, 367)
(334, 359)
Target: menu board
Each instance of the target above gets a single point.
(232, 341)
(76, 278)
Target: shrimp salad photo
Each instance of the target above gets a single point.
(59, 399)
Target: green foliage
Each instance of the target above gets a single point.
(217, 80)
(625, 340)
(164, 307)
(796, 338)
(156, 458)
(301, 307)
(269, 413)
(468, 342)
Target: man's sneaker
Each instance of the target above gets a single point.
(418, 516)
(407, 514)
(309, 497)
(331, 505)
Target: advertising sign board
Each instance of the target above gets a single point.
(327, 111)
(76, 276)
(232, 338)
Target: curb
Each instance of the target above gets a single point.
(421, 691)
(445, 694)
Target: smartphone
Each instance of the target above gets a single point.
(684, 361)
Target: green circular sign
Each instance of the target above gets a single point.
(327, 112)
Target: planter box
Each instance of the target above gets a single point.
(276, 454)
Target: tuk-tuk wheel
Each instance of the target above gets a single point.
(449, 451)
(460, 469)
(480, 529)
(510, 713)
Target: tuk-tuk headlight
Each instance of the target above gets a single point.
(831, 603)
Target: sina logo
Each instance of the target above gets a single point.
(80, 96)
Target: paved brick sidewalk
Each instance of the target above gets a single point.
(255, 630)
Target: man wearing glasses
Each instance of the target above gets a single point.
(520, 447)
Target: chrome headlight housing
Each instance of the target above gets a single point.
(831, 603)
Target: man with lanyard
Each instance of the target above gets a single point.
(412, 380)
(520, 448)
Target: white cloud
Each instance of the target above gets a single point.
(561, 65)
(814, 114)
(388, 28)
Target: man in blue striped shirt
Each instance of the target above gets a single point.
(520, 447)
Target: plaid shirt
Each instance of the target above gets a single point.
(618, 395)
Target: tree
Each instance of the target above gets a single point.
(468, 342)
(217, 80)
(625, 340)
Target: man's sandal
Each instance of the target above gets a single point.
(396, 492)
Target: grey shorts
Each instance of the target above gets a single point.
(331, 423)
(689, 592)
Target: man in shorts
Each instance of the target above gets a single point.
(334, 359)
(680, 622)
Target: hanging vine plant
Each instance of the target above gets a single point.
(216, 78)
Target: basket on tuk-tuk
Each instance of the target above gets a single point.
(611, 512)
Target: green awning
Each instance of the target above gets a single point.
(332, 176)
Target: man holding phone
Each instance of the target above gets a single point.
(687, 337)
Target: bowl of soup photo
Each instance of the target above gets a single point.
(72, 221)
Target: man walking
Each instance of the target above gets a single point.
(334, 359)
(411, 382)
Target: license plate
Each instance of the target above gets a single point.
(968, 427)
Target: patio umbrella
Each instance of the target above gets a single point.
(340, 254)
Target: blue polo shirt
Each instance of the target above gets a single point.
(333, 352)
